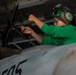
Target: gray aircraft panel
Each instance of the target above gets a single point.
(39, 60)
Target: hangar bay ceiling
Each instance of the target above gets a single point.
(14, 13)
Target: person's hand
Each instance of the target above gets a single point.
(37, 21)
(26, 30)
(31, 18)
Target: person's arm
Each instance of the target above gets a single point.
(58, 31)
(28, 30)
(37, 37)
(39, 23)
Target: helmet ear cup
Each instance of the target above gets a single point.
(68, 16)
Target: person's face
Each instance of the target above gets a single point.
(57, 22)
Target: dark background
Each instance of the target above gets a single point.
(43, 11)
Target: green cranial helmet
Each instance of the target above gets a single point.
(59, 10)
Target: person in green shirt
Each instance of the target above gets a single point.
(61, 32)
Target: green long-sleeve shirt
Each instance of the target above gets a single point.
(58, 35)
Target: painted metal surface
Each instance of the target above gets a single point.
(39, 60)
